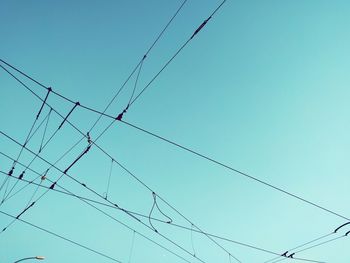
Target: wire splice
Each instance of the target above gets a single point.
(77, 159)
(11, 171)
(284, 254)
(120, 115)
(200, 27)
(69, 113)
(44, 102)
(25, 210)
(21, 175)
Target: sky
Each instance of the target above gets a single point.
(262, 88)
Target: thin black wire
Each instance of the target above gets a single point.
(140, 62)
(132, 246)
(27, 167)
(175, 55)
(44, 134)
(173, 143)
(194, 251)
(87, 200)
(320, 244)
(125, 110)
(67, 192)
(96, 193)
(27, 140)
(100, 147)
(308, 248)
(235, 170)
(299, 246)
(135, 84)
(62, 237)
(44, 101)
(18, 156)
(31, 91)
(109, 177)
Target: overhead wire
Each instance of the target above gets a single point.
(286, 192)
(97, 194)
(133, 100)
(16, 160)
(62, 237)
(140, 63)
(177, 52)
(114, 159)
(289, 254)
(98, 147)
(203, 156)
(69, 193)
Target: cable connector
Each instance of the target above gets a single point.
(21, 175)
(284, 254)
(69, 113)
(200, 27)
(120, 116)
(11, 171)
(291, 255)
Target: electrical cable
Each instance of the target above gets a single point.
(191, 151)
(101, 149)
(62, 237)
(96, 193)
(67, 192)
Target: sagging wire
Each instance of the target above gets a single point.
(155, 204)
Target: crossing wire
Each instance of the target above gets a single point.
(235, 170)
(69, 193)
(15, 161)
(185, 148)
(157, 136)
(104, 114)
(61, 237)
(97, 194)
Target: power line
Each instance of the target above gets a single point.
(96, 193)
(137, 177)
(123, 167)
(133, 174)
(177, 52)
(62, 237)
(87, 200)
(203, 156)
(289, 254)
(140, 63)
(212, 160)
(69, 193)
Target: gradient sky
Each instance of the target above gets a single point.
(264, 88)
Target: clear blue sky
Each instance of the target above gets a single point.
(264, 88)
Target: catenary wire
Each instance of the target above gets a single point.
(166, 222)
(61, 237)
(96, 193)
(69, 193)
(102, 149)
(216, 162)
(107, 153)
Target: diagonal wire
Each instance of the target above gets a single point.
(62, 237)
